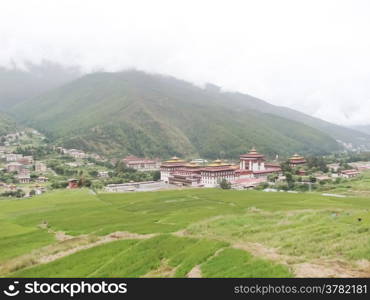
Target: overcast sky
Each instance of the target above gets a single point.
(311, 55)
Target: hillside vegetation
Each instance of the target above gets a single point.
(153, 115)
(22, 83)
(355, 136)
(7, 125)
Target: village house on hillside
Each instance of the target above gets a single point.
(360, 166)
(23, 178)
(72, 183)
(103, 174)
(252, 165)
(13, 157)
(42, 179)
(14, 167)
(40, 167)
(333, 167)
(141, 164)
(26, 160)
(75, 153)
(349, 173)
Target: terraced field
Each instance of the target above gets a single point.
(185, 233)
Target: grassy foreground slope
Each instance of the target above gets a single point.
(164, 256)
(218, 233)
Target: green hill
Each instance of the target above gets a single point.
(19, 84)
(358, 137)
(7, 125)
(153, 115)
(362, 128)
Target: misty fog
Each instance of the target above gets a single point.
(309, 55)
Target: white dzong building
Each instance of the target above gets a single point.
(212, 174)
(170, 166)
(251, 166)
(252, 161)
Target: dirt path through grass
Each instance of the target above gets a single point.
(163, 271)
(301, 269)
(316, 268)
(65, 246)
(196, 272)
(101, 240)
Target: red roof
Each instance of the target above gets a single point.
(297, 161)
(240, 171)
(248, 155)
(217, 169)
(252, 154)
(172, 165)
(186, 176)
(189, 169)
(133, 160)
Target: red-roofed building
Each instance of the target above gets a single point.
(185, 180)
(349, 173)
(141, 164)
(252, 165)
(72, 183)
(188, 174)
(243, 173)
(255, 163)
(252, 161)
(168, 167)
(216, 171)
(302, 172)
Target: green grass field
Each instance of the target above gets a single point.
(206, 232)
(359, 186)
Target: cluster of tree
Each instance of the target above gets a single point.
(105, 163)
(133, 177)
(344, 166)
(62, 169)
(345, 158)
(2, 141)
(302, 183)
(38, 152)
(18, 193)
(224, 184)
(84, 182)
(317, 163)
(272, 177)
(121, 174)
(81, 182)
(354, 157)
(7, 177)
(59, 184)
(291, 186)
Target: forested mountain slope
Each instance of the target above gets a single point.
(154, 115)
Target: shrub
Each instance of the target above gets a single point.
(225, 185)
